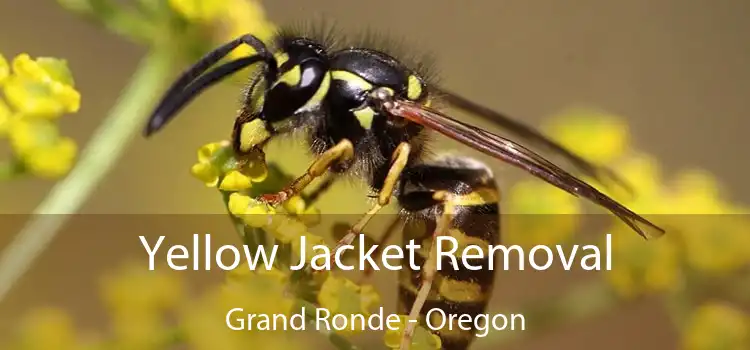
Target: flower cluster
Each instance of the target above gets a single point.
(237, 179)
(706, 237)
(37, 92)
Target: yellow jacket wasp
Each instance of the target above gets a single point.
(366, 114)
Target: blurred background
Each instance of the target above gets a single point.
(675, 71)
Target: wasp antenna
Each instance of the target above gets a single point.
(186, 87)
(169, 107)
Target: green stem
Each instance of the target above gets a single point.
(97, 159)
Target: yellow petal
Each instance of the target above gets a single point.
(40, 99)
(717, 326)
(235, 181)
(48, 329)
(257, 215)
(52, 162)
(597, 136)
(289, 230)
(295, 205)
(206, 152)
(311, 241)
(206, 173)
(238, 203)
(199, 10)
(247, 17)
(5, 117)
(26, 135)
(4, 69)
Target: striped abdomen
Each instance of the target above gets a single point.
(456, 290)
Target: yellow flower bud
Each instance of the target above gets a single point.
(311, 241)
(579, 129)
(6, 116)
(206, 173)
(257, 215)
(642, 267)
(53, 161)
(717, 326)
(247, 17)
(4, 69)
(199, 10)
(294, 205)
(342, 296)
(289, 230)
(311, 216)
(48, 329)
(238, 203)
(42, 87)
(27, 135)
(207, 151)
(553, 212)
(132, 291)
(41, 99)
(44, 69)
(235, 181)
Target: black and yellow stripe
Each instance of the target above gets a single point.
(475, 221)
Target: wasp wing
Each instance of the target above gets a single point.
(517, 155)
(531, 135)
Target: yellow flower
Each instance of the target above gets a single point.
(53, 161)
(715, 243)
(48, 329)
(42, 87)
(343, 297)
(4, 69)
(715, 240)
(242, 17)
(199, 10)
(210, 160)
(717, 326)
(697, 192)
(254, 292)
(597, 136)
(234, 181)
(6, 117)
(134, 288)
(206, 172)
(641, 267)
(311, 240)
(421, 340)
(288, 229)
(643, 173)
(252, 212)
(137, 300)
(41, 148)
(216, 160)
(540, 214)
(295, 205)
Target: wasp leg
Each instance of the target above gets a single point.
(429, 268)
(398, 163)
(341, 152)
